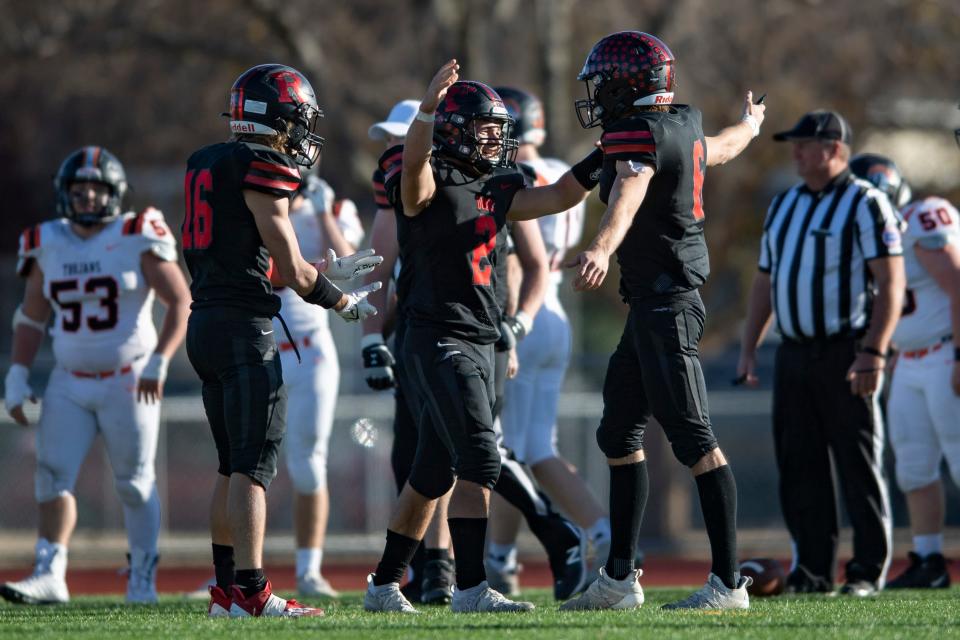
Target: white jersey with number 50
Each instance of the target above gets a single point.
(932, 223)
(102, 304)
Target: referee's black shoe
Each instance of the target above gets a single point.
(438, 580)
(858, 584)
(928, 572)
(801, 581)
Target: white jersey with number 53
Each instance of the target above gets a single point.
(932, 223)
(101, 301)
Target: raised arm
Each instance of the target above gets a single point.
(626, 195)
(417, 186)
(732, 140)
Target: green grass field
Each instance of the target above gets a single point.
(911, 615)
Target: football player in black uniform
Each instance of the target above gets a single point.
(237, 199)
(451, 213)
(655, 156)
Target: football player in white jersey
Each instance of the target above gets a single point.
(322, 224)
(529, 417)
(924, 400)
(97, 269)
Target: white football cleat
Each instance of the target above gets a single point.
(716, 595)
(607, 593)
(142, 577)
(483, 599)
(386, 598)
(47, 584)
(316, 586)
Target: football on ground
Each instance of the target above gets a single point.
(769, 579)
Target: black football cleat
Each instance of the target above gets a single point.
(438, 580)
(569, 565)
(923, 573)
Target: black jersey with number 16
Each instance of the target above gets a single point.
(221, 243)
(664, 250)
(449, 251)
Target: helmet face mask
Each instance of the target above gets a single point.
(463, 131)
(273, 99)
(90, 166)
(624, 70)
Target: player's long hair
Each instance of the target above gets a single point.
(279, 141)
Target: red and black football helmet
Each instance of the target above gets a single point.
(466, 105)
(266, 97)
(884, 174)
(91, 164)
(527, 113)
(625, 70)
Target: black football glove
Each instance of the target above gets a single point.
(378, 365)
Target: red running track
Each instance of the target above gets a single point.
(657, 572)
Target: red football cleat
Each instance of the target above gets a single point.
(220, 602)
(264, 603)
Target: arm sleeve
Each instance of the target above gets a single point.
(272, 173)
(29, 249)
(932, 223)
(379, 191)
(390, 165)
(632, 141)
(150, 231)
(878, 227)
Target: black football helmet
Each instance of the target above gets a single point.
(466, 104)
(883, 173)
(527, 113)
(91, 164)
(624, 70)
(267, 97)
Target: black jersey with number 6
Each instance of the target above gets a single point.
(450, 250)
(664, 250)
(224, 252)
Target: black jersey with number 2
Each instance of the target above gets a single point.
(224, 252)
(664, 250)
(450, 250)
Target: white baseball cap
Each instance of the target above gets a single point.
(397, 123)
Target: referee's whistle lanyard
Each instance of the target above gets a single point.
(290, 339)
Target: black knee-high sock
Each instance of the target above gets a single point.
(397, 554)
(223, 566)
(628, 498)
(718, 501)
(468, 536)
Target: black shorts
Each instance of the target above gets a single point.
(235, 355)
(656, 371)
(453, 380)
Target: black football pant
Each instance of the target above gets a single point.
(824, 433)
(235, 355)
(655, 370)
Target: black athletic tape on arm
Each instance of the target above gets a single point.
(325, 293)
(587, 171)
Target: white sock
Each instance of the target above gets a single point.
(309, 560)
(928, 544)
(142, 522)
(54, 556)
(503, 554)
(599, 529)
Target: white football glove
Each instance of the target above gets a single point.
(17, 388)
(156, 368)
(350, 267)
(357, 307)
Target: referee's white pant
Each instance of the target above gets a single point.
(824, 433)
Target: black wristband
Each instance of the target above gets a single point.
(872, 351)
(325, 293)
(587, 171)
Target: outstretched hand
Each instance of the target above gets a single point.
(592, 266)
(445, 76)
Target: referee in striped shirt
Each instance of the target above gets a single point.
(831, 275)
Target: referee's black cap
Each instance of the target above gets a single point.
(820, 124)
